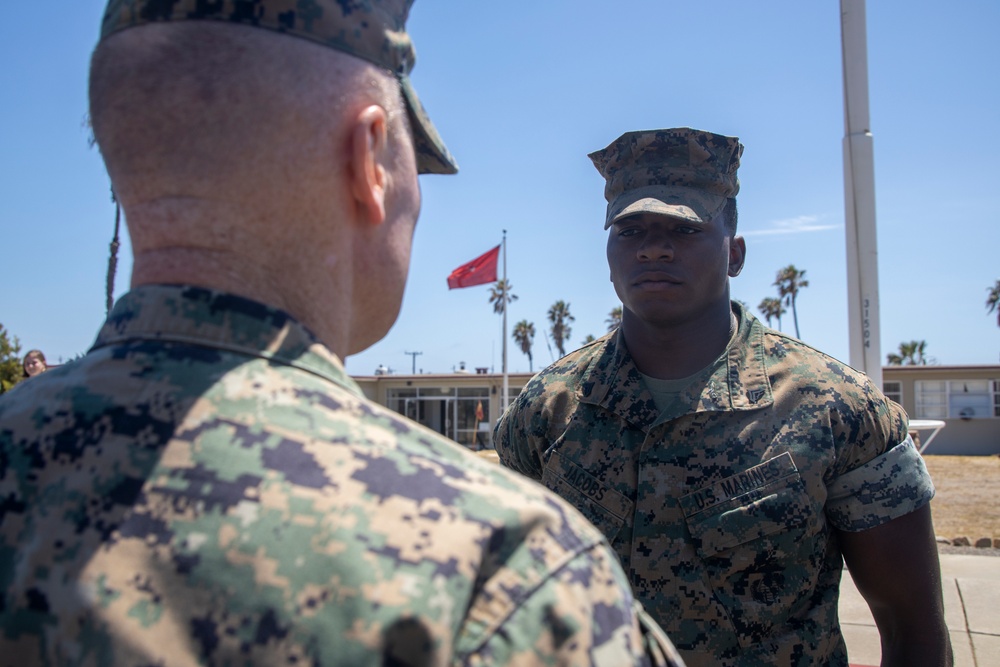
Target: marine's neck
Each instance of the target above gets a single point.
(678, 351)
(276, 259)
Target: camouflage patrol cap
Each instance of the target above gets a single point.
(374, 30)
(677, 172)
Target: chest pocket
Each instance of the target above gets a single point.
(604, 507)
(760, 501)
(756, 533)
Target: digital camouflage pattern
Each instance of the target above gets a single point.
(207, 486)
(724, 511)
(373, 30)
(679, 172)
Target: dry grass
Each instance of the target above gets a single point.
(968, 496)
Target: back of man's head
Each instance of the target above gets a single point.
(259, 151)
(198, 108)
(374, 32)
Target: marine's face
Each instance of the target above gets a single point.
(667, 271)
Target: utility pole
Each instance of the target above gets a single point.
(414, 355)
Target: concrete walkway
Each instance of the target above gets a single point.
(971, 587)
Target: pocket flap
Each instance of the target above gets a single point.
(604, 507)
(762, 500)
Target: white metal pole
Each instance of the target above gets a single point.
(859, 194)
(503, 399)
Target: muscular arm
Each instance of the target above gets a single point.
(895, 567)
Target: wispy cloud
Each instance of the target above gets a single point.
(798, 225)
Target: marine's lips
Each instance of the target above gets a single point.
(655, 279)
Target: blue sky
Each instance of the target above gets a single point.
(521, 93)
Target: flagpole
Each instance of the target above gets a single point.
(503, 399)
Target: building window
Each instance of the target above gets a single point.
(403, 401)
(893, 391)
(461, 414)
(472, 417)
(931, 399)
(958, 399)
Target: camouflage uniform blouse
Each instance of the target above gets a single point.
(725, 512)
(208, 486)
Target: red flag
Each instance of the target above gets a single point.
(481, 270)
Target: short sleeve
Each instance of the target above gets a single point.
(513, 442)
(887, 487)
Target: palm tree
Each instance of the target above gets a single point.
(524, 336)
(993, 300)
(560, 318)
(497, 292)
(771, 308)
(910, 354)
(614, 318)
(789, 281)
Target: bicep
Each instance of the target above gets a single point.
(895, 568)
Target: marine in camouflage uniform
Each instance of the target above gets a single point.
(207, 486)
(728, 493)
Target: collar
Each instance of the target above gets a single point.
(612, 381)
(205, 317)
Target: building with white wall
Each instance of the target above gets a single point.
(465, 406)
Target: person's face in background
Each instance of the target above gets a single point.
(34, 365)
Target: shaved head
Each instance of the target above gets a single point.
(180, 105)
(261, 164)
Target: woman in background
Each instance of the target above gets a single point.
(34, 363)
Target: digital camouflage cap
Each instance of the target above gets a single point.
(374, 30)
(677, 172)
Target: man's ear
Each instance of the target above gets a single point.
(369, 149)
(737, 255)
